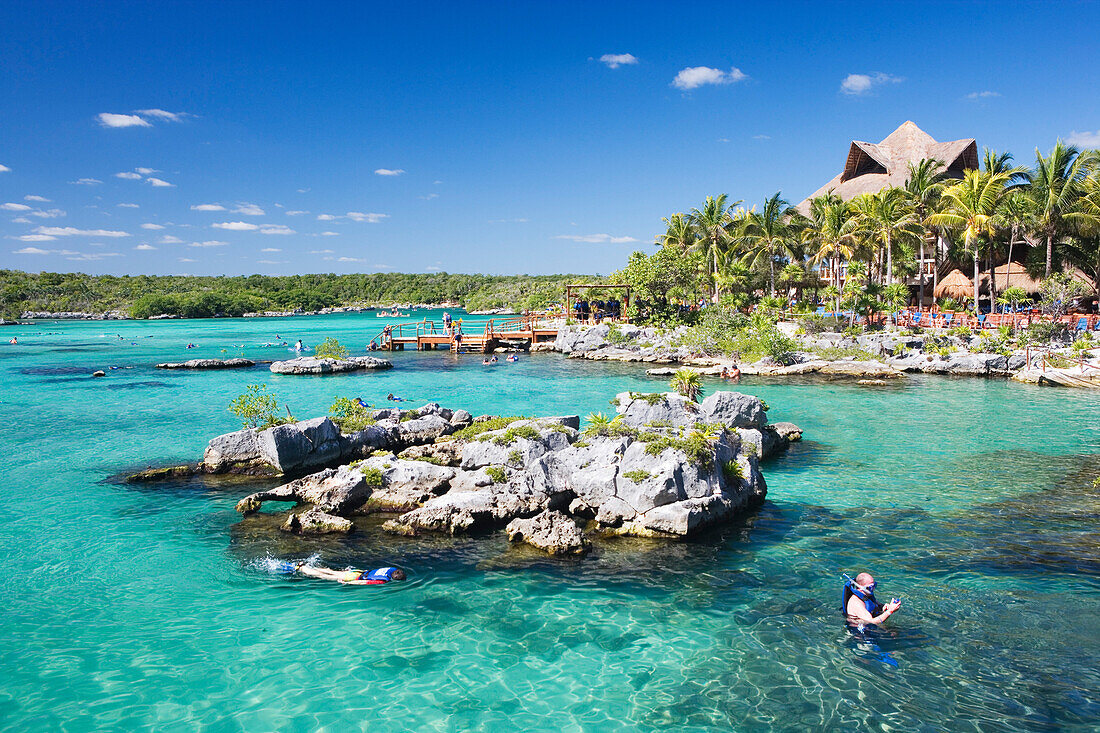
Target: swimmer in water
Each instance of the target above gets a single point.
(391, 398)
(14, 341)
(379, 576)
(298, 346)
(861, 608)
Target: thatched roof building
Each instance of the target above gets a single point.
(871, 167)
(956, 285)
(1011, 275)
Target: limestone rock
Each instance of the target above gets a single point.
(788, 430)
(301, 445)
(423, 429)
(313, 365)
(552, 532)
(315, 521)
(735, 410)
(446, 454)
(335, 491)
(668, 408)
(99, 373)
(224, 451)
(208, 364)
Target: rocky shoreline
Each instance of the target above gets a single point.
(663, 467)
(887, 354)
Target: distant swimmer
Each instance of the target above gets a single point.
(391, 398)
(14, 341)
(513, 357)
(298, 346)
(379, 576)
(192, 346)
(359, 402)
(859, 604)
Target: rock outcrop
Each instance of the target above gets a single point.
(664, 467)
(208, 364)
(315, 521)
(314, 365)
(552, 532)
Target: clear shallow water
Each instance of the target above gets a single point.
(151, 606)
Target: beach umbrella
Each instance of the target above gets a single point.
(956, 285)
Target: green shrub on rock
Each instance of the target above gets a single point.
(258, 408)
(349, 415)
(330, 348)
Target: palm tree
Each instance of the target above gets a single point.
(887, 217)
(924, 186)
(687, 383)
(830, 233)
(712, 223)
(1015, 213)
(769, 234)
(679, 233)
(1054, 185)
(994, 162)
(969, 207)
(1085, 249)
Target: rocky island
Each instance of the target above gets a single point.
(664, 466)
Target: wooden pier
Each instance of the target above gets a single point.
(521, 331)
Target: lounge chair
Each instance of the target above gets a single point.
(981, 320)
(1082, 324)
(947, 319)
(915, 319)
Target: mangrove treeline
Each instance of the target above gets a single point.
(205, 296)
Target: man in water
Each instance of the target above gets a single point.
(860, 605)
(380, 576)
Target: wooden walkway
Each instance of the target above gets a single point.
(521, 331)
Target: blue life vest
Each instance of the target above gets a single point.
(384, 575)
(873, 607)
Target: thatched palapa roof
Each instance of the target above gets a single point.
(873, 166)
(956, 285)
(1011, 275)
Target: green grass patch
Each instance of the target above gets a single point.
(638, 476)
(494, 423)
(497, 474)
(732, 471)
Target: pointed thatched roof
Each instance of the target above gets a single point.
(1011, 275)
(956, 285)
(871, 167)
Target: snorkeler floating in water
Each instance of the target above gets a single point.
(859, 604)
(379, 576)
(391, 398)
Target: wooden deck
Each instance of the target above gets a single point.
(521, 331)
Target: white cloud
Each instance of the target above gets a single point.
(326, 217)
(129, 176)
(158, 183)
(145, 247)
(21, 220)
(88, 256)
(40, 199)
(1084, 139)
(389, 171)
(615, 60)
(249, 210)
(4, 169)
(271, 249)
(169, 239)
(369, 218)
(128, 206)
(151, 226)
(109, 119)
(74, 232)
(208, 207)
(303, 190)
(856, 84)
(209, 243)
(296, 212)
(982, 95)
(36, 238)
(696, 76)
(596, 238)
(270, 262)
(276, 229)
(322, 252)
(433, 269)
(236, 226)
(15, 207)
(31, 251)
(761, 137)
(330, 234)
(48, 213)
(184, 259)
(521, 220)
(349, 259)
(160, 114)
(146, 171)
(437, 183)
(86, 182)
(429, 197)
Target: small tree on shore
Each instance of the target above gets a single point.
(330, 348)
(688, 384)
(257, 407)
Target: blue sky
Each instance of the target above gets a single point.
(497, 137)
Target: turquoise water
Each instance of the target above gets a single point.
(149, 607)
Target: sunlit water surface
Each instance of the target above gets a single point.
(152, 606)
